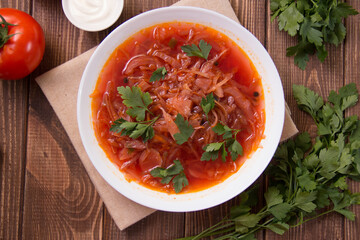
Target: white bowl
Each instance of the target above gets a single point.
(92, 16)
(251, 169)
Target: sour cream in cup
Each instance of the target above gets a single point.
(92, 15)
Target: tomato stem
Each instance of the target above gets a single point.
(4, 30)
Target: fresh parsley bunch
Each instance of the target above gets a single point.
(307, 179)
(314, 22)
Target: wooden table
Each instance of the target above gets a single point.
(46, 192)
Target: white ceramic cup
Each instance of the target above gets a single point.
(92, 15)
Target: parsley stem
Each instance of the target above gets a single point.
(215, 228)
(291, 179)
(267, 222)
(312, 218)
(228, 229)
(314, 3)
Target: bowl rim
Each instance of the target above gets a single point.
(180, 205)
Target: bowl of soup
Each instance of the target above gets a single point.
(180, 109)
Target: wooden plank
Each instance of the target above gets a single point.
(159, 225)
(60, 200)
(251, 15)
(352, 74)
(320, 77)
(13, 114)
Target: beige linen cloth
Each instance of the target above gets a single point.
(66, 78)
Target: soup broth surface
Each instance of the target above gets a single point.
(227, 73)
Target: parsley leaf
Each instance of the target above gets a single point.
(136, 101)
(229, 145)
(310, 31)
(289, 19)
(212, 151)
(185, 129)
(278, 227)
(172, 43)
(347, 97)
(281, 210)
(180, 181)
(202, 51)
(207, 103)
(273, 197)
(174, 173)
(134, 130)
(158, 74)
(314, 22)
(307, 100)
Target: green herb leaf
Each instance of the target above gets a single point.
(174, 173)
(134, 129)
(307, 182)
(310, 31)
(202, 51)
(281, 210)
(185, 129)
(248, 220)
(235, 148)
(278, 227)
(347, 213)
(290, 19)
(173, 170)
(172, 43)
(212, 151)
(180, 181)
(347, 97)
(273, 197)
(136, 101)
(307, 100)
(229, 145)
(158, 74)
(208, 103)
(314, 23)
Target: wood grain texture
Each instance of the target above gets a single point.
(159, 226)
(59, 201)
(13, 111)
(45, 191)
(13, 115)
(352, 75)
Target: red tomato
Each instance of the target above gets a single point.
(23, 51)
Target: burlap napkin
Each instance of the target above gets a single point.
(66, 78)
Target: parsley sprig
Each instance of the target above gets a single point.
(307, 179)
(202, 51)
(174, 173)
(314, 22)
(158, 74)
(185, 129)
(136, 101)
(207, 103)
(134, 130)
(229, 145)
